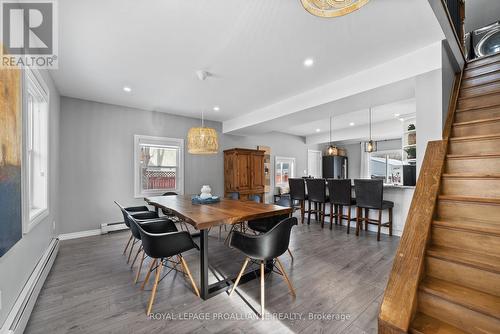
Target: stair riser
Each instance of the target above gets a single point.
(472, 72)
(493, 87)
(479, 101)
(476, 115)
(473, 165)
(470, 277)
(476, 242)
(489, 128)
(483, 146)
(481, 80)
(448, 210)
(456, 315)
(473, 187)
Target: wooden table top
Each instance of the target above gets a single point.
(227, 211)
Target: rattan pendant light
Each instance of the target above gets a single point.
(202, 140)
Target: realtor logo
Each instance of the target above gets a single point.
(29, 34)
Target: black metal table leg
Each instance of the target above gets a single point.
(204, 264)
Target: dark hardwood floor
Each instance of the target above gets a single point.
(90, 289)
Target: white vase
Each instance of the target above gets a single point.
(206, 192)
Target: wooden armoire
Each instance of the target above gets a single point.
(244, 173)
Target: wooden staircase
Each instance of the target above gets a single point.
(458, 290)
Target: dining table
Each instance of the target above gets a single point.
(204, 216)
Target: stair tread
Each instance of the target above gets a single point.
(470, 176)
(468, 75)
(476, 226)
(480, 137)
(470, 298)
(478, 121)
(495, 92)
(483, 61)
(487, 200)
(427, 324)
(493, 82)
(477, 108)
(473, 156)
(472, 259)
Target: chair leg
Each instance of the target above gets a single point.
(340, 214)
(290, 286)
(367, 218)
(155, 286)
(140, 268)
(302, 211)
(290, 253)
(136, 255)
(348, 218)
(379, 224)
(239, 276)
(220, 232)
(390, 222)
(358, 220)
(323, 214)
(188, 272)
(151, 266)
(309, 213)
(128, 243)
(262, 289)
(331, 215)
(130, 252)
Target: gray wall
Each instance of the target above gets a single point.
(17, 265)
(97, 158)
(448, 70)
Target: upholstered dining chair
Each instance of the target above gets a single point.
(165, 249)
(340, 195)
(298, 195)
(370, 196)
(263, 248)
(316, 192)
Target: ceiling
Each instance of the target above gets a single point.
(254, 48)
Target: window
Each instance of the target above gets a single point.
(36, 113)
(158, 165)
(386, 165)
(284, 169)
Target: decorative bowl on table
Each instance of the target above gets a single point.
(207, 200)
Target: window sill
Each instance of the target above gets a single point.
(35, 217)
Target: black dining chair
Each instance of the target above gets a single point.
(370, 196)
(298, 195)
(161, 224)
(340, 194)
(263, 248)
(316, 194)
(183, 225)
(144, 213)
(263, 225)
(162, 247)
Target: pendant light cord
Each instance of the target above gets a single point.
(370, 111)
(202, 120)
(330, 130)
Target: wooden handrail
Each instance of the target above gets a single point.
(452, 106)
(400, 297)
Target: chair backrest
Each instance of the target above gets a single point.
(254, 198)
(234, 196)
(284, 201)
(269, 245)
(297, 189)
(339, 191)
(124, 213)
(170, 193)
(369, 193)
(128, 218)
(316, 190)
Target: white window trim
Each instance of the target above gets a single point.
(294, 164)
(29, 223)
(161, 140)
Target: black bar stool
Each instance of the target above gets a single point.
(298, 194)
(370, 196)
(340, 194)
(316, 193)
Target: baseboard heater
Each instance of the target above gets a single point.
(19, 315)
(110, 227)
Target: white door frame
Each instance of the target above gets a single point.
(320, 164)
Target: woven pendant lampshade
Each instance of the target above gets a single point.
(202, 141)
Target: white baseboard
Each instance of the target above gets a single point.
(82, 234)
(110, 227)
(20, 313)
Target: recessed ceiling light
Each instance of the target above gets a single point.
(402, 119)
(216, 108)
(318, 130)
(127, 89)
(308, 62)
(397, 115)
(351, 124)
